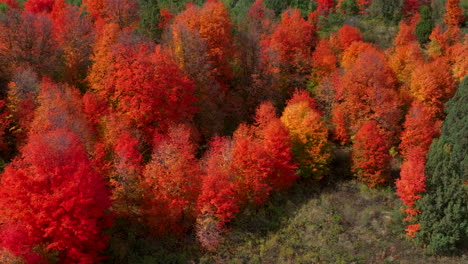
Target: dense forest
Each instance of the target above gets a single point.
(233, 131)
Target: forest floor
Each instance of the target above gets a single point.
(338, 221)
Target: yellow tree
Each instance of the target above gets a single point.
(404, 60)
(309, 137)
(432, 84)
(459, 60)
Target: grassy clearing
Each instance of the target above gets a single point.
(346, 223)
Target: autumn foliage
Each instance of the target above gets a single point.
(351, 53)
(175, 117)
(367, 93)
(419, 129)
(411, 7)
(125, 176)
(324, 61)
(146, 85)
(106, 37)
(293, 38)
(219, 197)
(275, 140)
(432, 85)
(412, 182)
(308, 136)
(347, 35)
(340, 121)
(453, 13)
(213, 26)
(65, 209)
(406, 32)
(96, 8)
(459, 62)
(370, 157)
(39, 6)
(4, 123)
(67, 24)
(171, 181)
(404, 61)
(325, 5)
(27, 41)
(250, 163)
(287, 54)
(243, 171)
(261, 156)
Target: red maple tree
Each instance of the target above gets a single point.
(147, 86)
(411, 184)
(293, 38)
(39, 6)
(369, 92)
(370, 157)
(324, 6)
(453, 13)
(52, 191)
(275, 139)
(419, 129)
(171, 182)
(324, 61)
(4, 123)
(411, 7)
(346, 35)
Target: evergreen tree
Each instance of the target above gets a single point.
(425, 25)
(388, 10)
(3, 8)
(278, 5)
(444, 217)
(149, 19)
(438, 10)
(306, 6)
(349, 7)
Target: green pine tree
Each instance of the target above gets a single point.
(277, 5)
(390, 11)
(3, 8)
(149, 19)
(425, 25)
(349, 7)
(444, 217)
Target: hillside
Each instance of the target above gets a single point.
(346, 223)
(233, 131)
